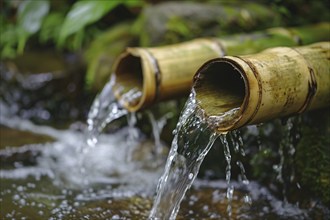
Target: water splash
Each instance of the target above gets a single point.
(193, 138)
(104, 110)
(237, 142)
(53, 169)
(59, 160)
(49, 185)
(131, 97)
(285, 168)
(157, 127)
(230, 188)
(192, 141)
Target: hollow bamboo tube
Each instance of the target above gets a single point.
(166, 72)
(161, 72)
(276, 82)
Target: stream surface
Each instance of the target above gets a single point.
(43, 179)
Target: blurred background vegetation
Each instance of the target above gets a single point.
(101, 29)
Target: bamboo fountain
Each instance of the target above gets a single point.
(274, 83)
(166, 72)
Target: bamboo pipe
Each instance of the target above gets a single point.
(166, 72)
(251, 89)
(161, 72)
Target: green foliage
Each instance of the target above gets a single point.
(87, 12)
(31, 13)
(82, 14)
(102, 52)
(8, 40)
(178, 30)
(51, 26)
(313, 156)
(30, 16)
(55, 22)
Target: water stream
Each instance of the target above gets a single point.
(103, 111)
(44, 181)
(157, 126)
(193, 138)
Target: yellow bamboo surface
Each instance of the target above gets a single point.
(166, 72)
(161, 72)
(276, 82)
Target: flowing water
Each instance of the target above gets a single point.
(43, 180)
(285, 168)
(193, 138)
(103, 111)
(157, 126)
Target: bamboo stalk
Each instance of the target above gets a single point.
(166, 72)
(276, 82)
(161, 72)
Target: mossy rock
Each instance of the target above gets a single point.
(312, 159)
(305, 170)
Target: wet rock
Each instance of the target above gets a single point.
(312, 158)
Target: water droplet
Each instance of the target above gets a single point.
(22, 202)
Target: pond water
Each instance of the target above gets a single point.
(44, 180)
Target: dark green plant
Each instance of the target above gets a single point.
(312, 158)
(55, 22)
(29, 17)
(84, 13)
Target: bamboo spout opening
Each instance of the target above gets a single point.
(129, 80)
(277, 82)
(220, 91)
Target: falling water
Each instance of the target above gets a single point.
(285, 169)
(103, 111)
(192, 141)
(237, 142)
(106, 108)
(234, 140)
(230, 188)
(193, 138)
(157, 127)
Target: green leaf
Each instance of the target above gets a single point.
(23, 36)
(84, 13)
(31, 14)
(103, 51)
(51, 26)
